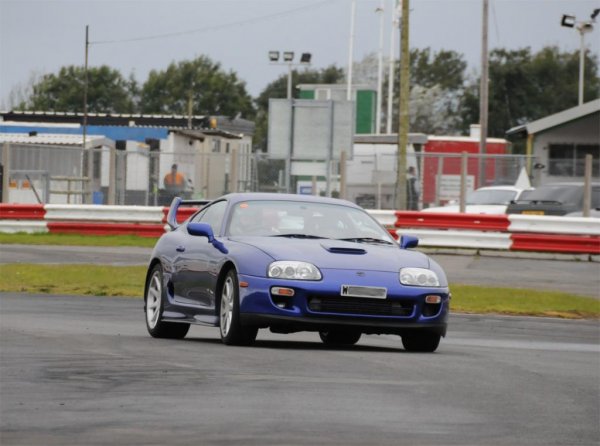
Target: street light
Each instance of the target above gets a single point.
(288, 59)
(570, 21)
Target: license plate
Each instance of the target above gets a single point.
(371, 292)
(533, 212)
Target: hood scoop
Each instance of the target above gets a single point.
(336, 249)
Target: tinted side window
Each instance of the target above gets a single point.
(213, 215)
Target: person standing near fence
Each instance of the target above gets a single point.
(412, 190)
(174, 181)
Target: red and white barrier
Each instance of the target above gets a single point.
(512, 232)
(498, 232)
(145, 221)
(101, 213)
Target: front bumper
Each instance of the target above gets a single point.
(318, 305)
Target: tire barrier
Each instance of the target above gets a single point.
(512, 232)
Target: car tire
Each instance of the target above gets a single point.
(421, 343)
(340, 337)
(153, 308)
(230, 326)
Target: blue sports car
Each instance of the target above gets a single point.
(292, 263)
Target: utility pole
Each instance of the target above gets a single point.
(483, 95)
(403, 109)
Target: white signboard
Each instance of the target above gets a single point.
(309, 169)
(313, 130)
(450, 186)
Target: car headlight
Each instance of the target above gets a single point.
(293, 270)
(418, 277)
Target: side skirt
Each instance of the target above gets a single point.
(203, 319)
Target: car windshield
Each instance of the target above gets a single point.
(299, 219)
(491, 196)
(558, 193)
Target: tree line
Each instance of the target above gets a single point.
(444, 97)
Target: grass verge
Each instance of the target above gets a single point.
(129, 281)
(522, 302)
(93, 280)
(76, 240)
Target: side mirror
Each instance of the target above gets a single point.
(205, 230)
(201, 230)
(408, 241)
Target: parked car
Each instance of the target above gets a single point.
(292, 263)
(554, 199)
(594, 212)
(485, 200)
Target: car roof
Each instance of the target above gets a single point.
(267, 196)
(567, 183)
(511, 188)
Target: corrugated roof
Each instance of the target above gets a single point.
(560, 118)
(201, 134)
(115, 115)
(106, 119)
(39, 124)
(55, 139)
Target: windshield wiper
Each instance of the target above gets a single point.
(293, 235)
(366, 240)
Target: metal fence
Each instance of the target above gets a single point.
(69, 174)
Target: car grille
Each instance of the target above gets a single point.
(372, 307)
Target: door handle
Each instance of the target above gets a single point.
(180, 248)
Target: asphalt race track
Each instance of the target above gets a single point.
(83, 371)
(579, 277)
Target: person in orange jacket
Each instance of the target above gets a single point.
(174, 180)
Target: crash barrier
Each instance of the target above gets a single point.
(512, 232)
(145, 221)
(496, 232)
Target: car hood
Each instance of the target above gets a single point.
(471, 209)
(337, 254)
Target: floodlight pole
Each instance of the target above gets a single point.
(390, 96)
(569, 21)
(85, 86)
(289, 81)
(380, 11)
(90, 158)
(483, 95)
(581, 63)
(351, 51)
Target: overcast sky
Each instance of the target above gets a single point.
(38, 37)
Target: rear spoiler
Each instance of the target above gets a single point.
(172, 215)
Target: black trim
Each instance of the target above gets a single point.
(292, 324)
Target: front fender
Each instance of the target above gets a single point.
(247, 259)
